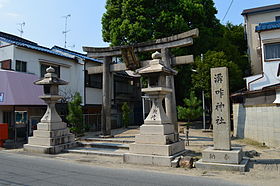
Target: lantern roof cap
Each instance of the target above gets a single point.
(50, 78)
(156, 66)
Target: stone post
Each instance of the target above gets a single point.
(170, 100)
(222, 156)
(220, 108)
(106, 98)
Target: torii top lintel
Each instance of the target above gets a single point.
(179, 40)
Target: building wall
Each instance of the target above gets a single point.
(93, 96)
(70, 70)
(251, 21)
(259, 123)
(6, 52)
(270, 68)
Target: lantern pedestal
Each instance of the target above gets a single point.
(157, 144)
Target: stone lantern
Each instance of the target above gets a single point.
(157, 144)
(52, 135)
(156, 73)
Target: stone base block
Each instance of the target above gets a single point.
(51, 134)
(234, 156)
(157, 129)
(51, 126)
(242, 167)
(152, 122)
(144, 159)
(155, 139)
(51, 141)
(48, 149)
(154, 149)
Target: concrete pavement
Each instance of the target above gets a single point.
(18, 169)
(263, 170)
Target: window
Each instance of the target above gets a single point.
(93, 80)
(272, 51)
(278, 72)
(7, 117)
(45, 66)
(20, 66)
(6, 64)
(277, 18)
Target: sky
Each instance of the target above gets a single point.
(45, 19)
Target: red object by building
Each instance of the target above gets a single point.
(3, 133)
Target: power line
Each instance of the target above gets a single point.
(227, 10)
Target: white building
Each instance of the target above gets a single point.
(25, 56)
(262, 33)
(24, 60)
(256, 112)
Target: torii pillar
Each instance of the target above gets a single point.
(106, 98)
(170, 100)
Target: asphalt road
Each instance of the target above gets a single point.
(17, 169)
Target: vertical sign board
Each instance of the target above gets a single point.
(220, 108)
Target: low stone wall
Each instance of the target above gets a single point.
(259, 122)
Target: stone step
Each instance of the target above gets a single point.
(116, 140)
(106, 145)
(97, 151)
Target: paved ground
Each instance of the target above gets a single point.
(16, 169)
(264, 169)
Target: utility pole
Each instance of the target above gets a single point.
(203, 101)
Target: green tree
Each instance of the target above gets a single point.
(234, 46)
(127, 22)
(125, 114)
(75, 115)
(193, 109)
(132, 21)
(202, 80)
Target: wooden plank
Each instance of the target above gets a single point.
(179, 60)
(179, 40)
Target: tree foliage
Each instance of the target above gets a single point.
(127, 22)
(125, 114)
(75, 115)
(132, 21)
(202, 80)
(193, 109)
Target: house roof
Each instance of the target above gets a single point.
(9, 38)
(16, 38)
(77, 54)
(28, 45)
(268, 26)
(262, 9)
(19, 89)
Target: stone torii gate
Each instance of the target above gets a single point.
(131, 63)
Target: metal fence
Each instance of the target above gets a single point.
(92, 122)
